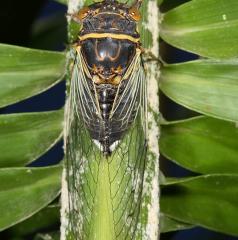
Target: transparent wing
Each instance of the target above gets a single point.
(82, 156)
(130, 157)
(84, 102)
(132, 98)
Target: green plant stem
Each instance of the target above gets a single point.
(102, 226)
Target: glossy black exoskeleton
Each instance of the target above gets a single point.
(109, 43)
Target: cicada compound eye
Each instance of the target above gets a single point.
(83, 12)
(134, 13)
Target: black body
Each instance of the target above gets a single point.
(107, 58)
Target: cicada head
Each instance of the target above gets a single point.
(109, 16)
(109, 39)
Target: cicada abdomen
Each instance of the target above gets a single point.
(106, 124)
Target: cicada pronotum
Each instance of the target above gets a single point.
(106, 123)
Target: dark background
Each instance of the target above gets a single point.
(42, 24)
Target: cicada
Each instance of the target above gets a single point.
(105, 137)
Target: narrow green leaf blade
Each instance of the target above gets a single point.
(25, 137)
(202, 144)
(46, 218)
(26, 72)
(209, 201)
(168, 224)
(208, 28)
(24, 191)
(65, 2)
(206, 86)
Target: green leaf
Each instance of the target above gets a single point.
(26, 136)
(208, 28)
(168, 224)
(47, 217)
(26, 72)
(206, 86)
(25, 191)
(202, 144)
(209, 201)
(65, 2)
